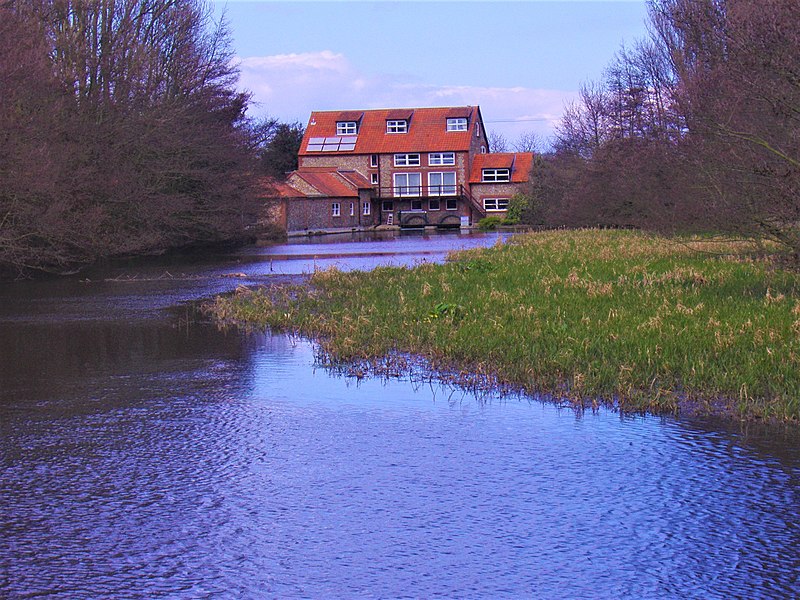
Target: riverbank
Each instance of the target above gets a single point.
(615, 317)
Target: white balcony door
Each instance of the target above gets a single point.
(407, 184)
(442, 184)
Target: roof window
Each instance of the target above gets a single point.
(397, 126)
(457, 124)
(346, 128)
(496, 175)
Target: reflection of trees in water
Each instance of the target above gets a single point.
(763, 442)
(87, 359)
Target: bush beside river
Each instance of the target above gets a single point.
(618, 317)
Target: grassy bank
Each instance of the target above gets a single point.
(642, 321)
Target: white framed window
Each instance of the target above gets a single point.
(433, 204)
(496, 175)
(451, 204)
(366, 209)
(373, 160)
(442, 184)
(457, 124)
(346, 128)
(490, 204)
(373, 178)
(397, 126)
(352, 209)
(407, 184)
(441, 158)
(336, 209)
(406, 160)
(483, 149)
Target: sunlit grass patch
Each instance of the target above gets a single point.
(643, 321)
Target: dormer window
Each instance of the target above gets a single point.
(346, 128)
(497, 175)
(457, 124)
(397, 126)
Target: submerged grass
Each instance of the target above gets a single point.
(640, 321)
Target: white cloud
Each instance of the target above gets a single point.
(290, 86)
(315, 61)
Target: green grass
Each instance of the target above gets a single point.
(640, 321)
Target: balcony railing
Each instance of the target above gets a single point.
(429, 191)
(422, 191)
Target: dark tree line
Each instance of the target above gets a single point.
(121, 132)
(277, 147)
(695, 127)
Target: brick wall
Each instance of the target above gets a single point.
(387, 170)
(358, 162)
(495, 190)
(313, 214)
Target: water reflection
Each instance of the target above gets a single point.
(152, 454)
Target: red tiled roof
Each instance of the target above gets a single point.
(351, 115)
(326, 181)
(456, 112)
(356, 179)
(520, 164)
(427, 131)
(328, 184)
(399, 113)
(273, 188)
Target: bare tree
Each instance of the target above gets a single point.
(497, 142)
(140, 130)
(738, 64)
(528, 141)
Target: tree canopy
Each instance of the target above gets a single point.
(695, 127)
(122, 131)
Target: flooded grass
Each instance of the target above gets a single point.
(639, 321)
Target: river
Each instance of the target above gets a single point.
(144, 453)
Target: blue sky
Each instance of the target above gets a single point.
(520, 60)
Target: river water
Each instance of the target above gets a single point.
(146, 454)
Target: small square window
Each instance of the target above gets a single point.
(433, 204)
(457, 124)
(451, 204)
(346, 128)
(397, 126)
(387, 205)
(416, 205)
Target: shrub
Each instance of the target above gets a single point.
(489, 223)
